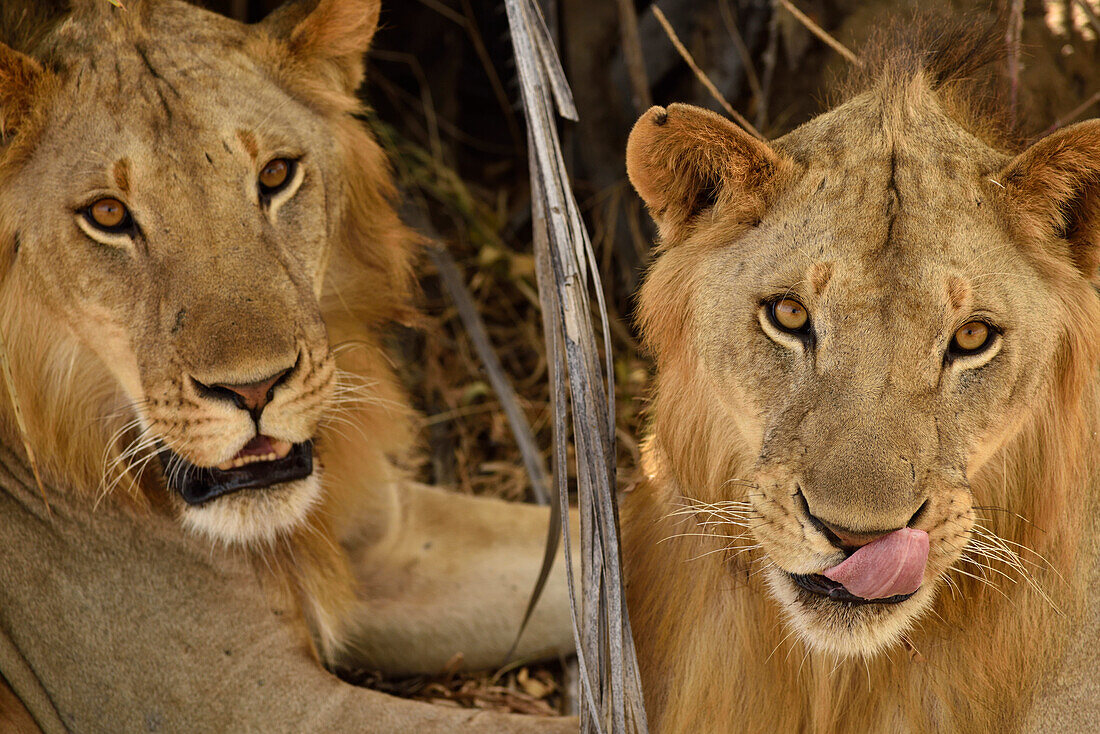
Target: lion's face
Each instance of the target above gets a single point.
(866, 324)
(181, 220)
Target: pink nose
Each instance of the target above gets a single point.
(852, 539)
(253, 396)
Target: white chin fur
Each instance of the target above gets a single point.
(255, 516)
(842, 631)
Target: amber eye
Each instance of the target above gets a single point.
(971, 337)
(109, 215)
(790, 315)
(275, 176)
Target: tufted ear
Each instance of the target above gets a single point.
(683, 160)
(1054, 189)
(328, 36)
(19, 76)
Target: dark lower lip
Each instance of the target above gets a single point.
(197, 484)
(822, 586)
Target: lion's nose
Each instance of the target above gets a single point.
(846, 538)
(251, 396)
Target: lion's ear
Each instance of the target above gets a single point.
(683, 160)
(328, 36)
(1054, 189)
(19, 75)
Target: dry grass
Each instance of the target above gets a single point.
(533, 690)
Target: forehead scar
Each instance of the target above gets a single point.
(122, 175)
(958, 292)
(248, 140)
(818, 276)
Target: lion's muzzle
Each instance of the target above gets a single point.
(198, 485)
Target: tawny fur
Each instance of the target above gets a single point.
(918, 224)
(105, 339)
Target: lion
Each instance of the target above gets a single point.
(869, 487)
(201, 500)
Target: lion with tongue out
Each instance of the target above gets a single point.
(870, 482)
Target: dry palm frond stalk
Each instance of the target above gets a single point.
(611, 695)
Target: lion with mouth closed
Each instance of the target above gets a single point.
(871, 479)
(198, 252)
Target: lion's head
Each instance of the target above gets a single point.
(857, 328)
(173, 189)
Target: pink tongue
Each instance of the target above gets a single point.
(892, 565)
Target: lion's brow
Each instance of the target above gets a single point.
(958, 292)
(122, 175)
(818, 276)
(248, 140)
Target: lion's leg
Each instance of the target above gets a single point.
(447, 573)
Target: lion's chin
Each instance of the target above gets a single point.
(842, 629)
(256, 516)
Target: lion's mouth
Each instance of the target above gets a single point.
(262, 462)
(835, 591)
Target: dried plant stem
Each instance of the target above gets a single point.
(742, 50)
(1012, 42)
(702, 77)
(820, 32)
(632, 54)
(1090, 14)
(502, 386)
(491, 73)
(1075, 112)
(771, 60)
(567, 275)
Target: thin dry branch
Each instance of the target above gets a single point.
(1090, 14)
(1075, 112)
(701, 76)
(491, 73)
(1012, 41)
(820, 32)
(742, 50)
(632, 54)
(502, 386)
(771, 60)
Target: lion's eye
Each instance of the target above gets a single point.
(275, 176)
(789, 315)
(971, 338)
(109, 215)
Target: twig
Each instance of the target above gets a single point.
(771, 60)
(1074, 113)
(475, 329)
(444, 11)
(742, 50)
(702, 77)
(494, 78)
(1090, 14)
(821, 33)
(430, 118)
(1012, 42)
(632, 54)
